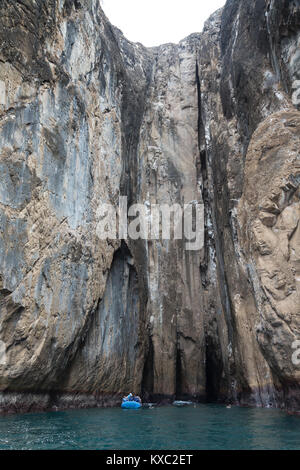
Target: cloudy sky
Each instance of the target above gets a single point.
(154, 22)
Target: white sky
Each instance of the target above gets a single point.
(155, 22)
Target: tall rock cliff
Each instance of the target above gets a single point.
(86, 117)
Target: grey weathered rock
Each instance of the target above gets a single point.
(250, 140)
(85, 117)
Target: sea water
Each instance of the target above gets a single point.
(187, 428)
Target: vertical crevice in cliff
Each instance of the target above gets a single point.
(147, 386)
(213, 355)
(134, 102)
(179, 376)
(214, 369)
(202, 172)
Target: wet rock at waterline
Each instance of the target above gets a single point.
(180, 403)
(86, 117)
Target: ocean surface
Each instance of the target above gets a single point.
(202, 427)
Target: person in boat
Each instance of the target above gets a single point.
(137, 399)
(130, 397)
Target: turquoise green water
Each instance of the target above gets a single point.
(203, 427)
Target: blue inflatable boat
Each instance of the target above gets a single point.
(131, 405)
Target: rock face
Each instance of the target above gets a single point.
(250, 139)
(87, 117)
